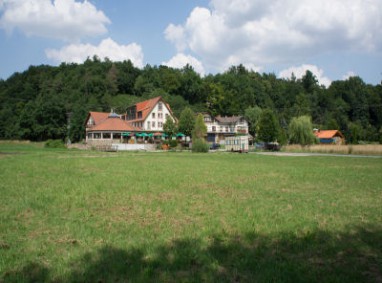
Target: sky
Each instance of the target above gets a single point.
(335, 39)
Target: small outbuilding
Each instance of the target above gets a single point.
(329, 136)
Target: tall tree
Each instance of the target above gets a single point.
(200, 128)
(301, 131)
(252, 115)
(187, 121)
(169, 127)
(269, 127)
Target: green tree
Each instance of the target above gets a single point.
(269, 127)
(301, 131)
(187, 121)
(200, 129)
(252, 115)
(169, 127)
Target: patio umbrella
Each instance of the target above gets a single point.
(126, 134)
(180, 135)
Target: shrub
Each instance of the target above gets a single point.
(173, 143)
(54, 144)
(199, 145)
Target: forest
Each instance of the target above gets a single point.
(36, 104)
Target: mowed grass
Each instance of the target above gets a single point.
(84, 216)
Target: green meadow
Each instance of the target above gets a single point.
(86, 216)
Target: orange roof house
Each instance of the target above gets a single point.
(147, 116)
(329, 136)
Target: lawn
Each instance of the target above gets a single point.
(85, 216)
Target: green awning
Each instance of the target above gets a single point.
(142, 135)
(126, 134)
(180, 135)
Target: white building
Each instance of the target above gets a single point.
(220, 127)
(145, 117)
(149, 115)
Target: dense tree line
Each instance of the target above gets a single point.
(35, 104)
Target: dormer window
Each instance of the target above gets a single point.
(139, 114)
(160, 106)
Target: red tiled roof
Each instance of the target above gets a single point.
(328, 134)
(114, 124)
(146, 106)
(97, 116)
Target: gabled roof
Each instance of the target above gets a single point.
(228, 120)
(114, 124)
(97, 116)
(328, 134)
(146, 106)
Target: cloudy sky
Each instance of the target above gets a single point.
(335, 39)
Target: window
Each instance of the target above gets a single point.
(139, 114)
(214, 128)
(160, 106)
(148, 125)
(160, 125)
(167, 116)
(106, 135)
(153, 115)
(97, 135)
(226, 129)
(160, 115)
(153, 124)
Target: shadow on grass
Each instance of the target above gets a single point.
(311, 257)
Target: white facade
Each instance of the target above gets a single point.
(156, 118)
(237, 143)
(218, 128)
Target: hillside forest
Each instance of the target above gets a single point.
(38, 103)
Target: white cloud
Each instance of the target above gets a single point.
(260, 32)
(300, 71)
(349, 75)
(67, 20)
(180, 60)
(78, 53)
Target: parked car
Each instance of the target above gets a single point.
(214, 146)
(272, 146)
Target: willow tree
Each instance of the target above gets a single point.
(301, 131)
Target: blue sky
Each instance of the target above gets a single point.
(335, 39)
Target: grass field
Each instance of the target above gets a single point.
(84, 216)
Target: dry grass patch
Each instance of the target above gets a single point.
(367, 149)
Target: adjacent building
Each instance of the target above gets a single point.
(220, 127)
(329, 136)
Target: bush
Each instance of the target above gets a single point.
(54, 144)
(173, 143)
(199, 145)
